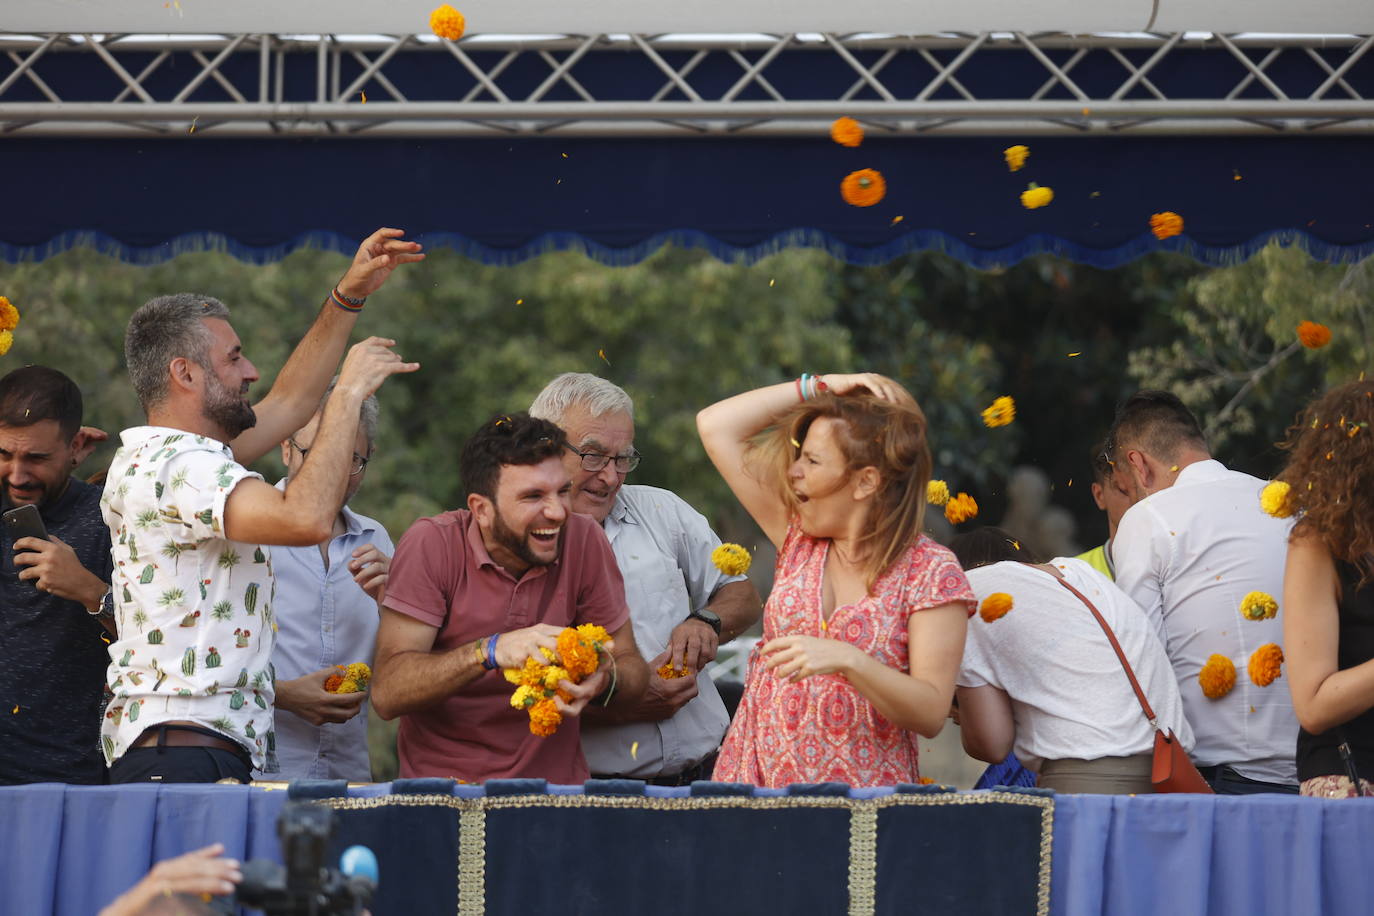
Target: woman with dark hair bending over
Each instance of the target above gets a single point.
(1328, 590)
(865, 625)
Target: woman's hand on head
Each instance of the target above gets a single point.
(880, 386)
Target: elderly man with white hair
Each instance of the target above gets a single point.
(681, 606)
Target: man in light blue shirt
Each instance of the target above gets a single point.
(681, 606)
(328, 597)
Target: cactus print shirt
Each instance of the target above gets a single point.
(194, 609)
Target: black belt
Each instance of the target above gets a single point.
(700, 771)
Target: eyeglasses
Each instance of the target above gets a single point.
(595, 461)
(359, 461)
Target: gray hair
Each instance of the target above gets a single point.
(596, 394)
(164, 329)
(367, 418)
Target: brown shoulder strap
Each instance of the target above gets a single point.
(1111, 637)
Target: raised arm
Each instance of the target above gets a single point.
(296, 392)
(303, 514)
(1324, 695)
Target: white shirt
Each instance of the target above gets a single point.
(194, 609)
(324, 619)
(663, 548)
(1188, 555)
(1070, 696)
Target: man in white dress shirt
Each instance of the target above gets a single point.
(1191, 548)
(681, 606)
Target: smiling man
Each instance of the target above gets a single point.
(476, 590)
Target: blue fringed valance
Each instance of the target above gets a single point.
(619, 200)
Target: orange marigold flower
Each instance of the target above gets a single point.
(1258, 606)
(331, 683)
(668, 672)
(1035, 196)
(1002, 412)
(863, 188)
(578, 657)
(1314, 336)
(544, 718)
(846, 132)
(1265, 664)
(1166, 225)
(995, 606)
(447, 22)
(1016, 157)
(9, 315)
(960, 509)
(1217, 677)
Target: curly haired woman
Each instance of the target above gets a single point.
(865, 625)
(1328, 591)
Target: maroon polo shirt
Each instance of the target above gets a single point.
(443, 576)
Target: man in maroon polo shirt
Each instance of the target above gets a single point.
(476, 590)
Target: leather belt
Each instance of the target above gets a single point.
(186, 736)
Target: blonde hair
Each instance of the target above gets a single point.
(870, 433)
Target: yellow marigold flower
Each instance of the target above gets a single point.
(1274, 499)
(731, 559)
(1217, 677)
(525, 696)
(1166, 225)
(1265, 664)
(544, 718)
(532, 673)
(1258, 606)
(1002, 412)
(1314, 336)
(447, 22)
(348, 685)
(995, 606)
(360, 672)
(960, 509)
(9, 315)
(1035, 196)
(578, 656)
(6, 341)
(594, 634)
(937, 492)
(668, 672)
(846, 132)
(553, 674)
(863, 188)
(1016, 157)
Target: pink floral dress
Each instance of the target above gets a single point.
(821, 729)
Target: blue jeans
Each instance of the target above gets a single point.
(1226, 781)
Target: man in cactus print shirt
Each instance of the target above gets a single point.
(191, 672)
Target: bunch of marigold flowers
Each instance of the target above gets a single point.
(352, 678)
(578, 657)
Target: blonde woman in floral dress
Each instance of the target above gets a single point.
(864, 628)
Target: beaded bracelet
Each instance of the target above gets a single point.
(345, 303)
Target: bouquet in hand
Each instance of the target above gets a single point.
(579, 657)
(352, 678)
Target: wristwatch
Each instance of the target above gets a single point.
(106, 611)
(708, 617)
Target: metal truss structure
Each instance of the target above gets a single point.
(265, 85)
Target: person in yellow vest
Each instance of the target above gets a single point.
(1111, 499)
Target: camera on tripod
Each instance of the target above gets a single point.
(305, 886)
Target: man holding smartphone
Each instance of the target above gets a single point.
(54, 582)
(191, 672)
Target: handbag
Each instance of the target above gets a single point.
(1172, 770)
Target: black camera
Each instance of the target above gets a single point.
(305, 886)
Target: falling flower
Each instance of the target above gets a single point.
(1002, 412)
(1217, 677)
(1258, 606)
(937, 492)
(447, 22)
(1274, 499)
(9, 315)
(1016, 157)
(731, 559)
(896, 219)
(602, 354)
(995, 606)
(1036, 196)
(634, 751)
(6, 341)
(1314, 336)
(1265, 664)
(863, 188)
(960, 509)
(1166, 225)
(847, 132)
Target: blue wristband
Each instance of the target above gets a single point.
(490, 663)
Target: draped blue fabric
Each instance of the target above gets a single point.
(71, 850)
(619, 200)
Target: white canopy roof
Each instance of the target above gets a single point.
(583, 17)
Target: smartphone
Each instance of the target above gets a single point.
(22, 522)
